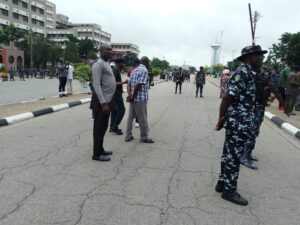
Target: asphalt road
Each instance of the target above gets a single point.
(47, 175)
(31, 89)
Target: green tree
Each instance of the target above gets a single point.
(217, 69)
(161, 64)
(287, 50)
(129, 59)
(11, 33)
(233, 65)
(71, 52)
(86, 47)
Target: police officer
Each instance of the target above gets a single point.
(237, 115)
(200, 81)
(264, 87)
(179, 77)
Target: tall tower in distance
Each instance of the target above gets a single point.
(215, 56)
(216, 47)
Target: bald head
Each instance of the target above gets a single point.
(145, 61)
(105, 52)
(104, 47)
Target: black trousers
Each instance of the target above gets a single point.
(199, 86)
(62, 84)
(178, 84)
(118, 114)
(100, 127)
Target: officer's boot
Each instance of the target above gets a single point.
(234, 197)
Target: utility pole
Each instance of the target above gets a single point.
(251, 23)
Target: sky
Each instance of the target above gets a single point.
(181, 31)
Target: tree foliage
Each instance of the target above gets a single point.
(287, 50)
(161, 64)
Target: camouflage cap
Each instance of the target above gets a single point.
(250, 50)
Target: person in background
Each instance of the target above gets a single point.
(118, 114)
(11, 74)
(292, 85)
(70, 70)
(62, 76)
(282, 83)
(224, 82)
(200, 81)
(178, 78)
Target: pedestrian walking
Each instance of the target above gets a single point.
(119, 111)
(138, 99)
(200, 81)
(236, 116)
(104, 85)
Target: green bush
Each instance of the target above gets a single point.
(82, 73)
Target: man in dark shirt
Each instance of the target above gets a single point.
(118, 114)
(200, 81)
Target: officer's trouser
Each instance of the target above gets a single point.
(251, 141)
(178, 83)
(230, 161)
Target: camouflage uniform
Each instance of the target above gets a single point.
(239, 124)
(260, 106)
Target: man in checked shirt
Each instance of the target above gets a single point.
(138, 98)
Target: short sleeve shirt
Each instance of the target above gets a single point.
(241, 86)
(140, 76)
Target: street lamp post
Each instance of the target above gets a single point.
(31, 57)
(64, 52)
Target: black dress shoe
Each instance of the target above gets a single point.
(117, 131)
(235, 198)
(106, 153)
(129, 139)
(253, 158)
(220, 186)
(102, 158)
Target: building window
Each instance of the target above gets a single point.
(33, 8)
(4, 12)
(41, 11)
(15, 2)
(25, 5)
(41, 23)
(25, 18)
(11, 59)
(33, 21)
(16, 16)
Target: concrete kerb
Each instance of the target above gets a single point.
(29, 115)
(289, 128)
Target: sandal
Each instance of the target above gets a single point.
(149, 140)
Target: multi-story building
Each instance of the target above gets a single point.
(32, 15)
(122, 49)
(78, 30)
